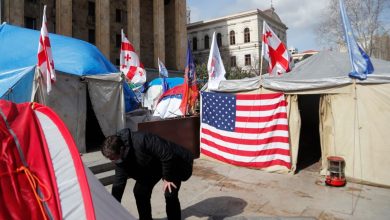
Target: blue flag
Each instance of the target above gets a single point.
(360, 61)
(163, 75)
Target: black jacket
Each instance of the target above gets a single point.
(149, 155)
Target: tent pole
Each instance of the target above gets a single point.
(261, 66)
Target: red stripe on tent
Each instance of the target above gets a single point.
(278, 127)
(245, 141)
(260, 107)
(246, 153)
(81, 175)
(247, 164)
(262, 119)
(258, 96)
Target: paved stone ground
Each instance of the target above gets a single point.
(221, 191)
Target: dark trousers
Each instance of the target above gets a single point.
(143, 192)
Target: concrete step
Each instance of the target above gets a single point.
(102, 167)
(106, 178)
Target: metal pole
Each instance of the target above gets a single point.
(1, 11)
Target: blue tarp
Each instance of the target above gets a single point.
(16, 85)
(172, 82)
(19, 47)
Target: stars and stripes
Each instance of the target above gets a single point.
(249, 130)
(45, 57)
(130, 65)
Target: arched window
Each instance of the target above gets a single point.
(194, 44)
(206, 42)
(247, 35)
(219, 39)
(232, 38)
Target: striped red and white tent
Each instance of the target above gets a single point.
(41, 172)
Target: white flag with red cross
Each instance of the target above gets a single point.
(45, 57)
(130, 64)
(275, 52)
(215, 66)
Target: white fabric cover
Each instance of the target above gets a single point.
(106, 93)
(105, 205)
(68, 99)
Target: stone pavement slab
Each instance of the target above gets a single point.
(221, 191)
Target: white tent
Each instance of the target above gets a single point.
(354, 116)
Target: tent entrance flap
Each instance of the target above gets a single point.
(309, 151)
(94, 136)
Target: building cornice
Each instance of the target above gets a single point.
(235, 16)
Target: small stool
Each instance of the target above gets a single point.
(335, 175)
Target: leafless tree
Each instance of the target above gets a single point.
(365, 19)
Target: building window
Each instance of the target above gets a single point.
(118, 41)
(118, 15)
(232, 38)
(206, 42)
(247, 36)
(233, 61)
(91, 36)
(194, 43)
(219, 39)
(30, 22)
(91, 9)
(247, 59)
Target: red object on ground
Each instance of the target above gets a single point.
(336, 176)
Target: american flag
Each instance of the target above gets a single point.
(45, 57)
(249, 130)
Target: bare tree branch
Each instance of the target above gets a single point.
(364, 16)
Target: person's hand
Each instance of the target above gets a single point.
(168, 185)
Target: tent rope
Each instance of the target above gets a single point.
(34, 181)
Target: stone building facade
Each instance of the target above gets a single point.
(156, 28)
(238, 37)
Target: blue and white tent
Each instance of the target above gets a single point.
(154, 91)
(82, 71)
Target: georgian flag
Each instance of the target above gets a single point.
(45, 57)
(130, 64)
(275, 52)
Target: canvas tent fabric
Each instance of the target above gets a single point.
(354, 116)
(41, 172)
(82, 71)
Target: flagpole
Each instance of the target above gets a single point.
(261, 65)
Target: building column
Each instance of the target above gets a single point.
(133, 24)
(14, 12)
(103, 26)
(181, 33)
(158, 31)
(64, 17)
